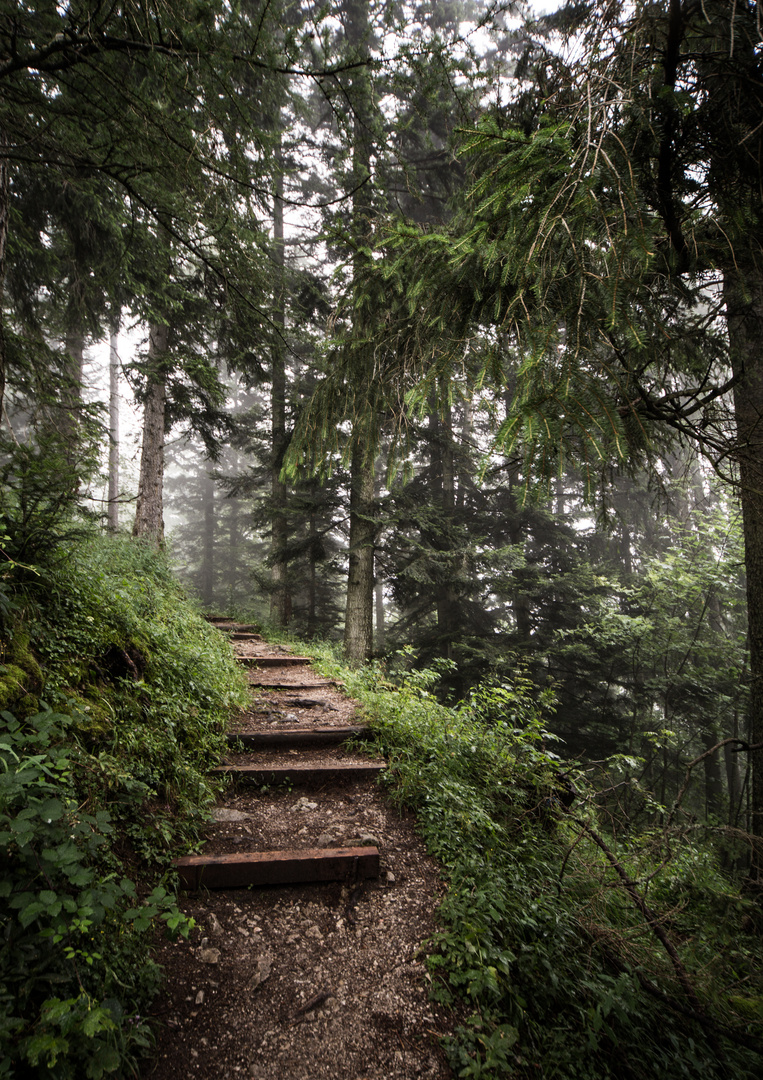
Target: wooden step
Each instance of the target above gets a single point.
(229, 625)
(272, 661)
(294, 737)
(239, 635)
(299, 774)
(241, 869)
(259, 684)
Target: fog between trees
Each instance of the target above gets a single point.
(449, 338)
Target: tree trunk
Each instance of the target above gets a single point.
(559, 497)
(626, 550)
(733, 778)
(113, 503)
(279, 597)
(713, 777)
(379, 639)
(358, 625)
(520, 601)
(358, 621)
(149, 512)
(233, 550)
(71, 397)
(207, 576)
(4, 224)
(744, 312)
(379, 628)
(312, 612)
(446, 593)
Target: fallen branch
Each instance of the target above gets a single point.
(742, 1038)
(655, 925)
(742, 747)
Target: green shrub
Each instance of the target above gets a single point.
(150, 682)
(72, 927)
(112, 771)
(563, 972)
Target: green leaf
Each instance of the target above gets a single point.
(51, 810)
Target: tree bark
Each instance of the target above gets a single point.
(312, 578)
(279, 597)
(149, 512)
(4, 224)
(358, 627)
(446, 593)
(358, 621)
(520, 601)
(713, 777)
(379, 628)
(744, 314)
(734, 779)
(233, 554)
(71, 398)
(113, 503)
(207, 576)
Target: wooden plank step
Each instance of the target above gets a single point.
(240, 635)
(259, 685)
(272, 661)
(298, 737)
(241, 869)
(299, 773)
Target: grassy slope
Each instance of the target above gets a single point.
(556, 930)
(115, 694)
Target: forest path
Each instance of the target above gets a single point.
(303, 981)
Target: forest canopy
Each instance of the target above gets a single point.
(444, 327)
(436, 332)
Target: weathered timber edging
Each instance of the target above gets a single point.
(259, 685)
(227, 624)
(277, 867)
(299, 773)
(273, 661)
(295, 737)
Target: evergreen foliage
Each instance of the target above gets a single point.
(547, 323)
(581, 947)
(608, 250)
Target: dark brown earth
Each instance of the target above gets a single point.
(305, 982)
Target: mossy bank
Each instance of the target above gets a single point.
(114, 694)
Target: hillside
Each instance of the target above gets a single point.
(570, 940)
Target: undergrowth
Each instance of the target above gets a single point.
(115, 695)
(585, 949)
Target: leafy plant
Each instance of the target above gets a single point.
(64, 908)
(579, 953)
(111, 771)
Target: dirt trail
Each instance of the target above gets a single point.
(306, 981)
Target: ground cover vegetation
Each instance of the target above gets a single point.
(584, 947)
(115, 694)
(445, 328)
